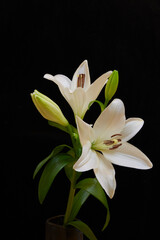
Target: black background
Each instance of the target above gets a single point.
(55, 37)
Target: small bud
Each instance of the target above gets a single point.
(48, 109)
(111, 86)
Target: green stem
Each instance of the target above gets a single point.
(106, 103)
(70, 200)
(71, 133)
(73, 181)
(75, 141)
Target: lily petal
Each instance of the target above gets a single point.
(88, 159)
(82, 69)
(77, 101)
(131, 128)
(111, 121)
(61, 80)
(128, 155)
(96, 86)
(105, 174)
(85, 131)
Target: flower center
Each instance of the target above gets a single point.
(111, 144)
(81, 80)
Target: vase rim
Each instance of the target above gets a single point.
(51, 222)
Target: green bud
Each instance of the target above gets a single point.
(111, 86)
(48, 109)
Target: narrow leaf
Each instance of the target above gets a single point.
(79, 200)
(83, 227)
(40, 165)
(92, 186)
(52, 168)
(55, 151)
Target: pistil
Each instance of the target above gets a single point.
(110, 142)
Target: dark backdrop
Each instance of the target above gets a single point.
(55, 37)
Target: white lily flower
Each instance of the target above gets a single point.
(106, 143)
(79, 92)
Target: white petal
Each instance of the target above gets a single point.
(111, 121)
(128, 155)
(105, 174)
(95, 88)
(85, 131)
(88, 160)
(132, 126)
(60, 80)
(63, 83)
(77, 101)
(82, 69)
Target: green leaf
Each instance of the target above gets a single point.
(92, 186)
(55, 151)
(52, 168)
(83, 227)
(79, 200)
(111, 86)
(100, 104)
(40, 165)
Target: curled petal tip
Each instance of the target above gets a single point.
(48, 76)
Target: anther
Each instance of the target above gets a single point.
(115, 146)
(81, 80)
(116, 135)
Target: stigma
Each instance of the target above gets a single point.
(81, 80)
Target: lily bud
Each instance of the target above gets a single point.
(48, 109)
(111, 86)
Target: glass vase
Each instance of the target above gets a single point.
(56, 231)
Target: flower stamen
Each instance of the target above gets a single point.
(115, 146)
(116, 135)
(113, 143)
(108, 144)
(81, 80)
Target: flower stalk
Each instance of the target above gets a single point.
(70, 199)
(77, 149)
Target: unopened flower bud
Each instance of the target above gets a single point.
(111, 86)
(48, 109)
